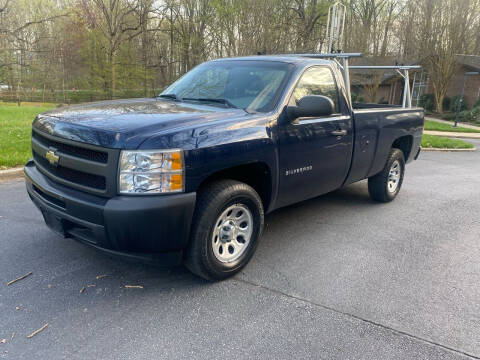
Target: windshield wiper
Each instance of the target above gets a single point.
(170, 96)
(221, 101)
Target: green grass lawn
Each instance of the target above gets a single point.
(436, 126)
(432, 141)
(15, 132)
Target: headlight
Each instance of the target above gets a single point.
(151, 171)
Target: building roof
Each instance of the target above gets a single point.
(471, 61)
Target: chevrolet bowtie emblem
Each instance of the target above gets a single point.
(52, 157)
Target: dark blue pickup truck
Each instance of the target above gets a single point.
(188, 176)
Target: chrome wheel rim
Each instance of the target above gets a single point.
(232, 233)
(394, 176)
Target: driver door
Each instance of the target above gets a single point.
(314, 153)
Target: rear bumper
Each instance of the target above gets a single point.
(147, 228)
(418, 153)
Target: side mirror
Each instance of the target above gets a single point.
(311, 106)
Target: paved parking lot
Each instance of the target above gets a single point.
(334, 277)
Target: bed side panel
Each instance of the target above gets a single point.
(375, 132)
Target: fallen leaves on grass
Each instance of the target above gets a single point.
(37, 331)
(134, 286)
(19, 278)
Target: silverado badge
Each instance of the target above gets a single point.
(298, 171)
(52, 157)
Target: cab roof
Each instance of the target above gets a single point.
(291, 59)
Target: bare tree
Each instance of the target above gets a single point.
(446, 26)
(94, 49)
(118, 24)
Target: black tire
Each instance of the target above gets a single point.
(212, 201)
(378, 185)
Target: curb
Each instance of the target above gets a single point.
(447, 149)
(11, 174)
(453, 134)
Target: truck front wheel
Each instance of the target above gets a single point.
(385, 186)
(227, 225)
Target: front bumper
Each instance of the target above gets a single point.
(147, 228)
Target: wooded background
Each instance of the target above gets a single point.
(82, 50)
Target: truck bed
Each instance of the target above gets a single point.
(377, 127)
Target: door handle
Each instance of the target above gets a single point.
(339, 132)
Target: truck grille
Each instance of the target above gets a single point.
(77, 177)
(83, 153)
(82, 166)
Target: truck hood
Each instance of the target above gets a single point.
(127, 123)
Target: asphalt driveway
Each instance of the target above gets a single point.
(334, 277)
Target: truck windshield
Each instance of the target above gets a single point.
(250, 85)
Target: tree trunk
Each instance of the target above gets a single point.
(439, 95)
(113, 81)
(111, 65)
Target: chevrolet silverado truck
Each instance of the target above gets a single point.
(188, 176)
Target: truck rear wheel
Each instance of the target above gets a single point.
(385, 186)
(227, 225)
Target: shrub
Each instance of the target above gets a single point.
(464, 115)
(448, 116)
(475, 113)
(470, 115)
(356, 98)
(427, 102)
(454, 104)
(447, 102)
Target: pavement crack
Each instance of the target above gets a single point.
(371, 322)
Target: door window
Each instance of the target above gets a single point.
(316, 81)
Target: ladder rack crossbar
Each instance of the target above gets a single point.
(329, 55)
(386, 67)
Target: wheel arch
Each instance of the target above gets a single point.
(404, 143)
(258, 175)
